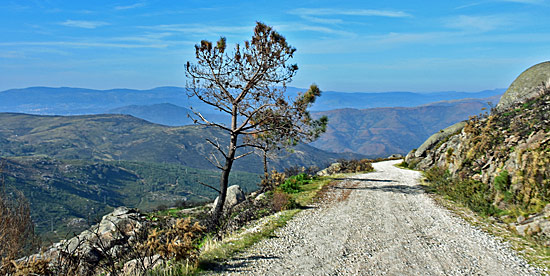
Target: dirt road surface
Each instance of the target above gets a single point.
(383, 224)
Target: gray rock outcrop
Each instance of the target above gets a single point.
(235, 195)
(109, 239)
(438, 137)
(504, 155)
(526, 86)
(534, 224)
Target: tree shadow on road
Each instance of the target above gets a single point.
(235, 266)
(365, 179)
(403, 189)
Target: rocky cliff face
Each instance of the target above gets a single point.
(507, 151)
(525, 86)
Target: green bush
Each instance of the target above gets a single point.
(502, 184)
(403, 164)
(473, 194)
(502, 181)
(294, 184)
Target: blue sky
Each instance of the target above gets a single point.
(352, 46)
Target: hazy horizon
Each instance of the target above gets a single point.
(291, 87)
(417, 46)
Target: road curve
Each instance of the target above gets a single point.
(386, 225)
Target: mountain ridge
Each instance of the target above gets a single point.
(77, 101)
(382, 131)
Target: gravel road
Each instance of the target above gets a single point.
(382, 224)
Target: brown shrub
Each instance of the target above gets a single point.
(355, 166)
(280, 201)
(32, 266)
(16, 227)
(273, 180)
(178, 241)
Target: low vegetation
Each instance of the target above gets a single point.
(16, 229)
(471, 193)
(178, 241)
(68, 196)
(355, 166)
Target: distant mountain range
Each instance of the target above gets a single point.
(379, 132)
(372, 124)
(374, 132)
(339, 100)
(80, 101)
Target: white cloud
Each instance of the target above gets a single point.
(534, 2)
(309, 28)
(322, 20)
(134, 6)
(201, 29)
(478, 23)
(83, 24)
(11, 54)
(83, 44)
(354, 12)
(527, 2)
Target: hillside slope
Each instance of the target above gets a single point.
(497, 164)
(68, 195)
(122, 137)
(379, 132)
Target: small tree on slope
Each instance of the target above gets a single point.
(282, 132)
(249, 85)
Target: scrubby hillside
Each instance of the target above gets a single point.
(75, 168)
(110, 137)
(67, 195)
(497, 164)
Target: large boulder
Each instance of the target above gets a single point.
(109, 239)
(332, 169)
(235, 195)
(438, 137)
(526, 86)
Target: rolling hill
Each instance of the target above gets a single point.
(111, 137)
(379, 132)
(167, 114)
(76, 168)
(163, 113)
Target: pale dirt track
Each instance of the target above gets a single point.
(387, 226)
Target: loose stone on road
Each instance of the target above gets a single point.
(386, 225)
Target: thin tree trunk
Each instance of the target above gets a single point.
(224, 179)
(265, 165)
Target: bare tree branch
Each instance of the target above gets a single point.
(216, 146)
(204, 184)
(243, 155)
